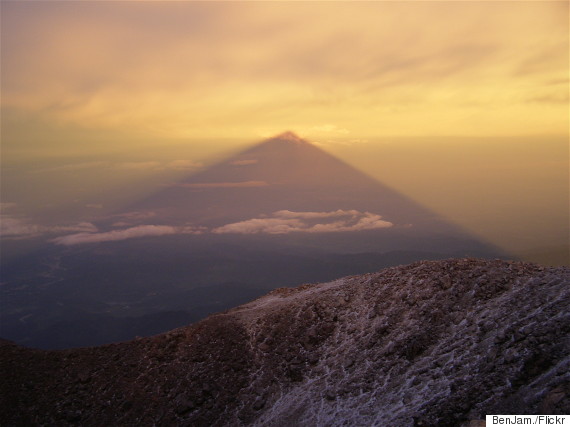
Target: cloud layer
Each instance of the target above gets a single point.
(285, 221)
(281, 222)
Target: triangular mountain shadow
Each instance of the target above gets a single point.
(288, 173)
(132, 287)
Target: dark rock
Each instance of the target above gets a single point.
(259, 404)
(84, 377)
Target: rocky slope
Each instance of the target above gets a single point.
(431, 343)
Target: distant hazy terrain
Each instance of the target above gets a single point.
(61, 298)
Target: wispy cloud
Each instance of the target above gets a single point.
(5, 206)
(183, 165)
(74, 167)
(560, 97)
(128, 233)
(136, 215)
(239, 184)
(131, 219)
(151, 165)
(138, 165)
(312, 215)
(12, 227)
(285, 221)
(330, 128)
(244, 162)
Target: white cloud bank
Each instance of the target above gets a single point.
(128, 233)
(280, 222)
(285, 221)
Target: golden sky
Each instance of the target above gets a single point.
(346, 70)
(82, 79)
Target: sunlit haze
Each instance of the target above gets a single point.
(461, 106)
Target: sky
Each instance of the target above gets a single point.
(461, 105)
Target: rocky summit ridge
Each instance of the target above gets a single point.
(430, 343)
